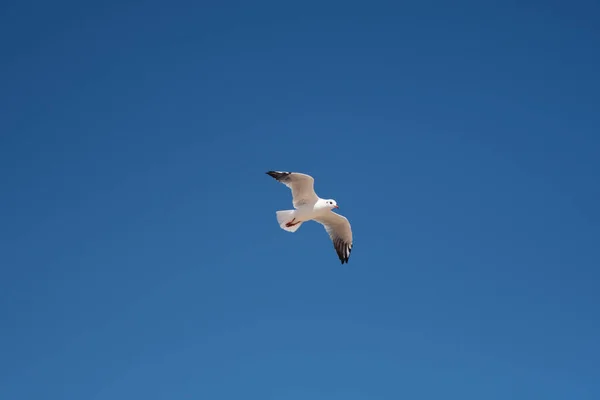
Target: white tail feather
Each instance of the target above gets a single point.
(285, 216)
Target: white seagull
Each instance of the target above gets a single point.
(308, 206)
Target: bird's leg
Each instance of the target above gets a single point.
(291, 223)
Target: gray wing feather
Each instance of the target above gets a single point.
(302, 186)
(339, 230)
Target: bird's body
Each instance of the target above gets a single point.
(306, 212)
(308, 206)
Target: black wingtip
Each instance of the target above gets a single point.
(277, 175)
(344, 259)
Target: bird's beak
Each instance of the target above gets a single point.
(335, 207)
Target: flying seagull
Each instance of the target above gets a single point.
(308, 206)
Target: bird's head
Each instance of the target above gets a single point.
(331, 204)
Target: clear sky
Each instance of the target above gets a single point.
(140, 255)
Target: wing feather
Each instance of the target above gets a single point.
(302, 186)
(339, 230)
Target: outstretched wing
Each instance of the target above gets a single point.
(340, 232)
(302, 186)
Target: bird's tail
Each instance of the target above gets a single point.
(286, 216)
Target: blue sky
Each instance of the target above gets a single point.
(140, 254)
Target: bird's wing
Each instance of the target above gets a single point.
(302, 186)
(340, 232)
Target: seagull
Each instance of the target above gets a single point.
(308, 206)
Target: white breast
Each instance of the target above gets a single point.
(311, 211)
